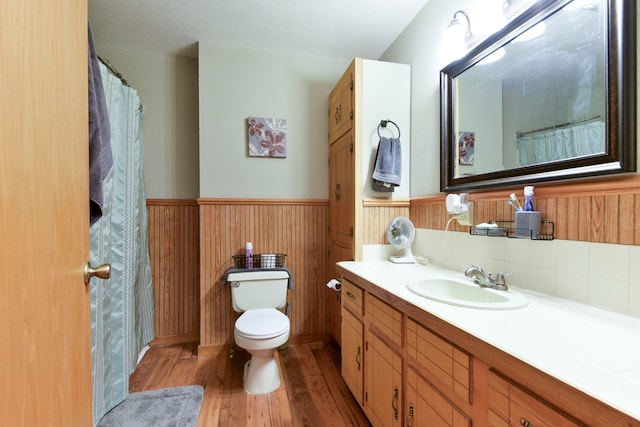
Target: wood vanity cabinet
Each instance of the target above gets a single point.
(372, 360)
(438, 375)
(511, 405)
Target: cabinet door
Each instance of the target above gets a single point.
(509, 405)
(425, 406)
(352, 354)
(341, 191)
(383, 395)
(341, 106)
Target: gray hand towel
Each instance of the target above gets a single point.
(388, 166)
(100, 157)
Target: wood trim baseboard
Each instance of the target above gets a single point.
(176, 339)
(382, 203)
(171, 202)
(273, 202)
(212, 350)
(309, 338)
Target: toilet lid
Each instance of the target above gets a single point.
(262, 323)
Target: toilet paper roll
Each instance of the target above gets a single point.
(334, 284)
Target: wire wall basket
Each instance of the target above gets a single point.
(259, 261)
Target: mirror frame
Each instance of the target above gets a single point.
(620, 155)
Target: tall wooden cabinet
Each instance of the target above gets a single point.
(368, 92)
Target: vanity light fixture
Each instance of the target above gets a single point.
(457, 38)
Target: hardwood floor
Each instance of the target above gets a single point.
(312, 394)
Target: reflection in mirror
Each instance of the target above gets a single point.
(550, 105)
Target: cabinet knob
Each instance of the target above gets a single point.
(524, 422)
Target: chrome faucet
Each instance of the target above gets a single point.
(484, 279)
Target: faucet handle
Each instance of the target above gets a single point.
(500, 278)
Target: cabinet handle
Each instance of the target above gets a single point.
(337, 192)
(525, 422)
(358, 357)
(350, 295)
(338, 115)
(410, 416)
(394, 403)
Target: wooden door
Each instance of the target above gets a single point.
(341, 191)
(426, 406)
(341, 105)
(45, 321)
(352, 354)
(383, 389)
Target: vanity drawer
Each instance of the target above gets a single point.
(442, 363)
(510, 405)
(352, 297)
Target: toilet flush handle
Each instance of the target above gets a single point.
(234, 284)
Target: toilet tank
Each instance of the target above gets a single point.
(258, 289)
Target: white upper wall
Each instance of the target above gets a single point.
(419, 46)
(240, 83)
(168, 89)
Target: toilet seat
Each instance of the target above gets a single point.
(262, 323)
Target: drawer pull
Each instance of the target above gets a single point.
(351, 295)
(394, 403)
(525, 422)
(410, 416)
(358, 357)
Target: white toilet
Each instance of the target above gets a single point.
(261, 328)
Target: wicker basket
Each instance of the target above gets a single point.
(260, 261)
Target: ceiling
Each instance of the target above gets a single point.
(328, 28)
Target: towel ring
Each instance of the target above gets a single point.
(383, 123)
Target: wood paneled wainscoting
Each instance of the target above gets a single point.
(297, 228)
(174, 249)
(377, 216)
(603, 211)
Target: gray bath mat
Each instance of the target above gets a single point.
(167, 407)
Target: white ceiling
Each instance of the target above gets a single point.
(326, 28)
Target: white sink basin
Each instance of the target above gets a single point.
(463, 294)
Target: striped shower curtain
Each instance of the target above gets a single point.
(122, 319)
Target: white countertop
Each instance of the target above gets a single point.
(595, 351)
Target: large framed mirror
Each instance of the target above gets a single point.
(556, 105)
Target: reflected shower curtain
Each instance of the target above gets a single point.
(562, 143)
(122, 319)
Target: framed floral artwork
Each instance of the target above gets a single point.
(466, 148)
(267, 137)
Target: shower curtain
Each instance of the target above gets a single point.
(122, 318)
(562, 143)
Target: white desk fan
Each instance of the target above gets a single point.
(400, 235)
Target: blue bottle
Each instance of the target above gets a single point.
(528, 198)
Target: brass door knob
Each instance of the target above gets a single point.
(102, 271)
